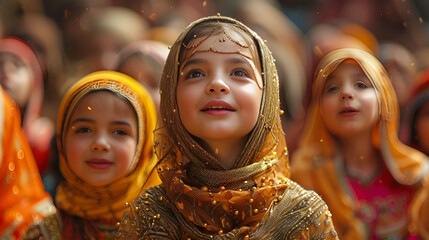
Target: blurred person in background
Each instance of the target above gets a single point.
(144, 61)
(22, 78)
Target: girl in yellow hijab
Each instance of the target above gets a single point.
(105, 128)
(349, 151)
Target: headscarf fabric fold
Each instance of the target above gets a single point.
(23, 198)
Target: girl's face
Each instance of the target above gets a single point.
(422, 127)
(15, 78)
(349, 102)
(219, 94)
(101, 138)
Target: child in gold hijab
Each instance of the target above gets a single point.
(105, 127)
(223, 156)
(350, 153)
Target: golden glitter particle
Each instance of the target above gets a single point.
(205, 225)
(251, 200)
(220, 232)
(282, 112)
(204, 188)
(218, 14)
(158, 216)
(214, 202)
(11, 166)
(255, 210)
(89, 108)
(246, 237)
(160, 198)
(127, 204)
(20, 154)
(236, 212)
(118, 224)
(15, 190)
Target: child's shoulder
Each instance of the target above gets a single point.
(298, 212)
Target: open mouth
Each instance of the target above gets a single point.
(348, 111)
(216, 108)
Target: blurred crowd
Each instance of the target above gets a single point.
(47, 45)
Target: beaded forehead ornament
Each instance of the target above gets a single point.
(228, 41)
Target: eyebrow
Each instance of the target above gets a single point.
(354, 75)
(117, 122)
(194, 61)
(201, 60)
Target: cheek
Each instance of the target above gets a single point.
(125, 152)
(74, 151)
(185, 102)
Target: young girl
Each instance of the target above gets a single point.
(23, 199)
(223, 156)
(105, 126)
(350, 153)
(22, 78)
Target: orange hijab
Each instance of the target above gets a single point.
(23, 198)
(313, 165)
(80, 199)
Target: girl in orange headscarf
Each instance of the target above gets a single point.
(350, 153)
(23, 198)
(223, 156)
(105, 126)
(22, 78)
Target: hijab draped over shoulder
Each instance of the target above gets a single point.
(314, 166)
(23, 198)
(78, 198)
(200, 198)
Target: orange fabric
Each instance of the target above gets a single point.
(23, 198)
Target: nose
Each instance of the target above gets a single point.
(100, 143)
(346, 94)
(216, 86)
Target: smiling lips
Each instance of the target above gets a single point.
(99, 163)
(217, 108)
(348, 111)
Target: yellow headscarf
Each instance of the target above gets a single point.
(108, 202)
(317, 148)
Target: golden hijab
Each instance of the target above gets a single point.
(263, 162)
(108, 202)
(201, 199)
(24, 200)
(313, 165)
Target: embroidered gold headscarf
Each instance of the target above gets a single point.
(199, 197)
(108, 203)
(316, 150)
(258, 174)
